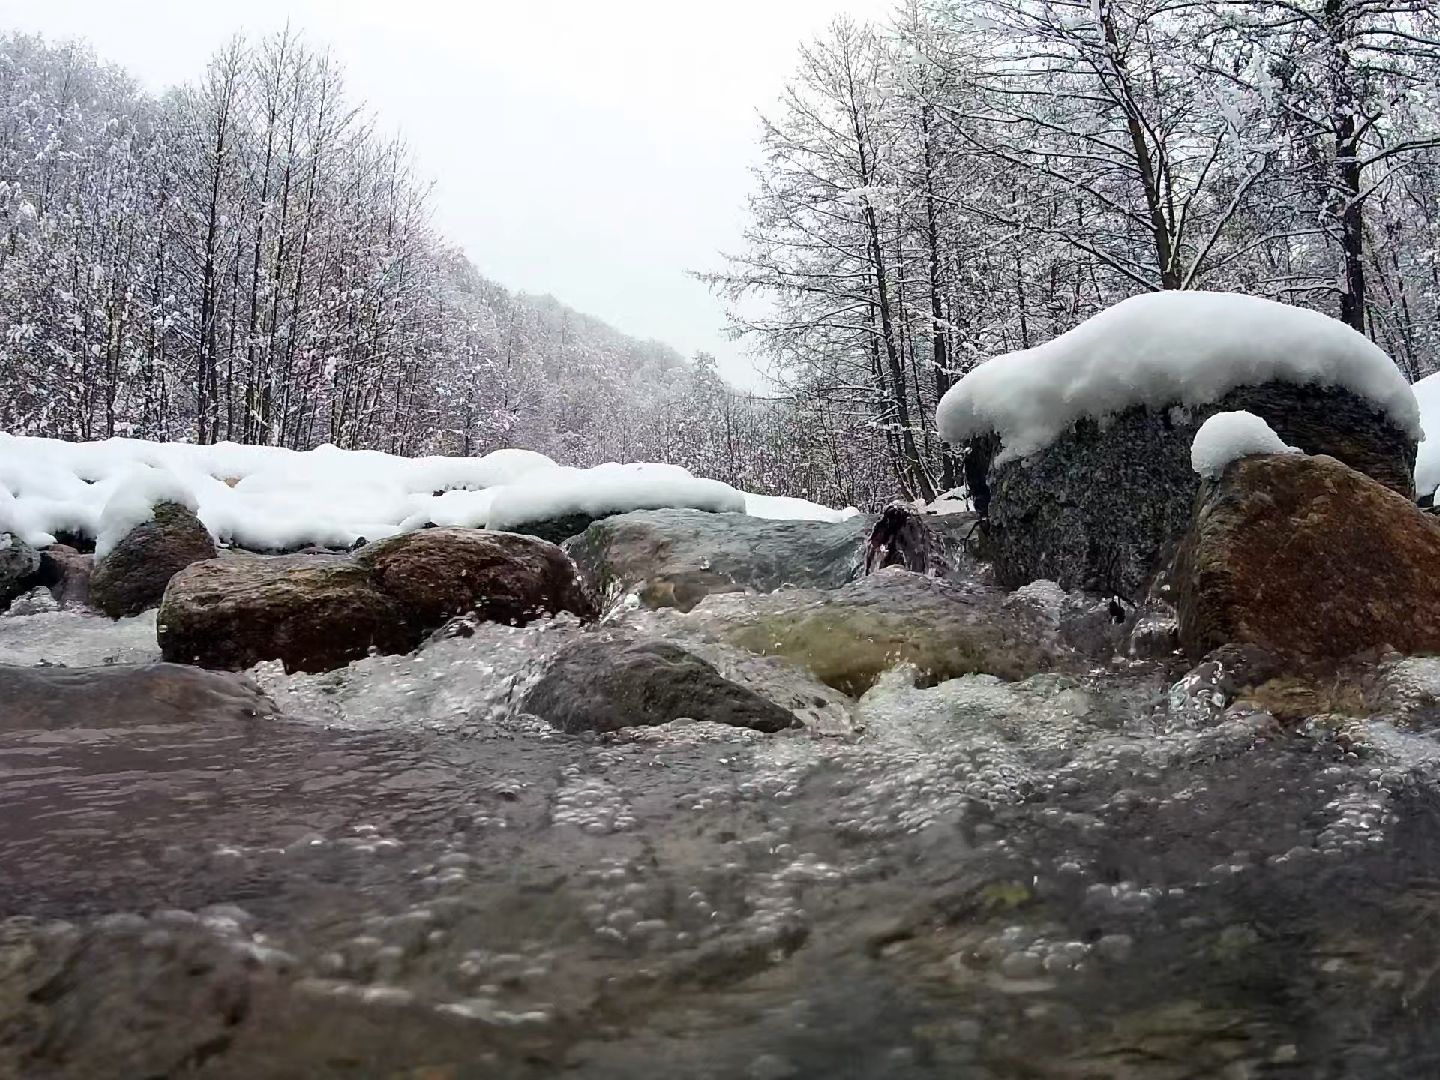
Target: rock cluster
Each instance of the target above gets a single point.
(317, 612)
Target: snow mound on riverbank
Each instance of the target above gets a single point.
(270, 499)
(1427, 458)
(1164, 348)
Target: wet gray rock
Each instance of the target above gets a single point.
(674, 558)
(124, 695)
(18, 565)
(66, 573)
(610, 682)
(98, 996)
(311, 612)
(936, 545)
(133, 576)
(1100, 508)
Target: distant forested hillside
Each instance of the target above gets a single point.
(248, 258)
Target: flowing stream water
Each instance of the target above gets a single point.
(403, 875)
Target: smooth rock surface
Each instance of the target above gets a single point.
(133, 576)
(1309, 559)
(610, 682)
(675, 558)
(1100, 508)
(123, 695)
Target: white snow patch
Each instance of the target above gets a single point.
(1427, 460)
(786, 508)
(133, 503)
(269, 499)
(610, 489)
(1160, 348)
(1230, 436)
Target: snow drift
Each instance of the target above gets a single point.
(1427, 457)
(1230, 436)
(270, 499)
(1158, 349)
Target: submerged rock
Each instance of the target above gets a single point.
(1100, 508)
(1310, 559)
(436, 574)
(675, 558)
(18, 564)
(123, 695)
(850, 636)
(607, 683)
(310, 612)
(133, 576)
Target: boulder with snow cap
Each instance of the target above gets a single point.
(1308, 559)
(1078, 452)
(132, 575)
(564, 502)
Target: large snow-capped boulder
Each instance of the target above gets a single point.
(132, 575)
(1309, 559)
(1078, 451)
(606, 683)
(123, 695)
(436, 574)
(18, 564)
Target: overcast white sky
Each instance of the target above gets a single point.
(594, 149)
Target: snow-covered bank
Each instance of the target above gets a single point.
(1427, 457)
(1159, 349)
(271, 499)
